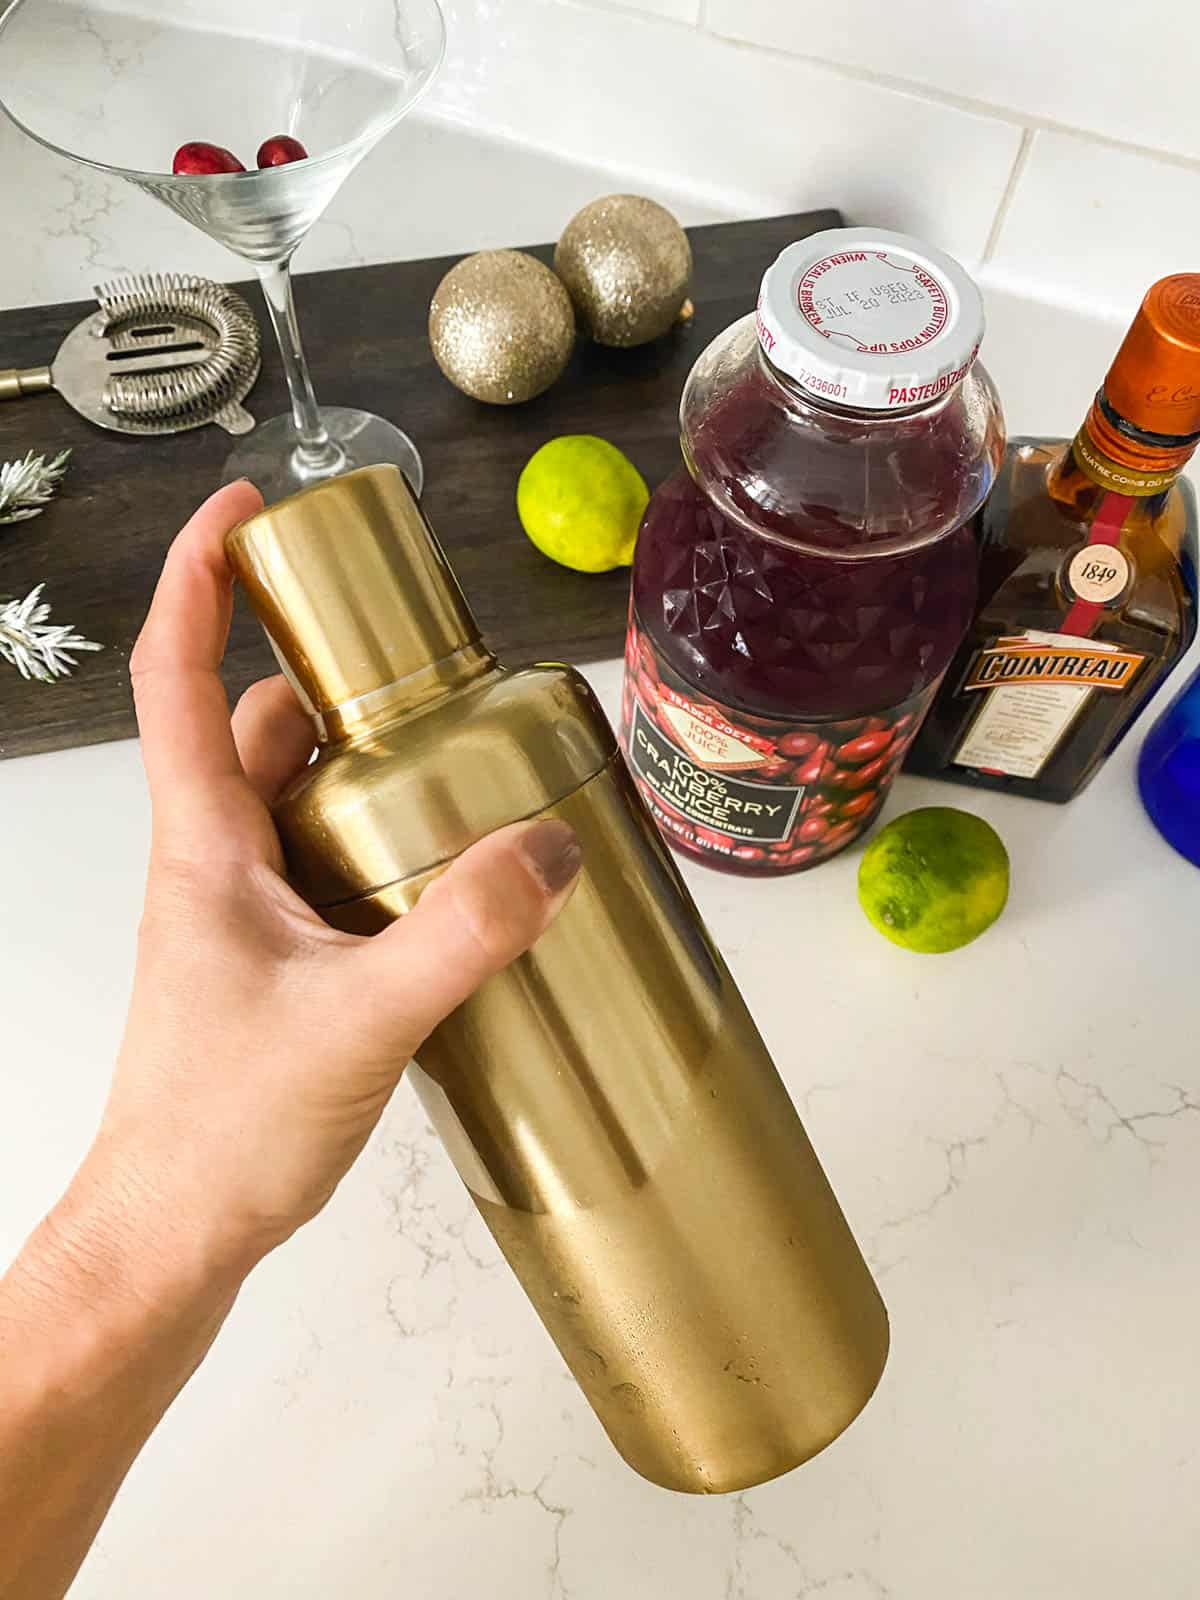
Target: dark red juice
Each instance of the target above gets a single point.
(800, 587)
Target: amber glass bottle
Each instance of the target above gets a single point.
(1087, 582)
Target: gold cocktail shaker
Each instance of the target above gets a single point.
(607, 1100)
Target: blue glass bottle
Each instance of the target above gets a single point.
(1169, 771)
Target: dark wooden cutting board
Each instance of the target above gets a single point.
(99, 546)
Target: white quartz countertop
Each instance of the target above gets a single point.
(1014, 1131)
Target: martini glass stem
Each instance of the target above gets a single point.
(315, 453)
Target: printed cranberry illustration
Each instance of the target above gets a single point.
(841, 833)
(748, 852)
(796, 858)
(796, 745)
(858, 751)
(280, 151)
(894, 760)
(813, 828)
(864, 777)
(810, 772)
(773, 770)
(858, 805)
(820, 807)
(198, 159)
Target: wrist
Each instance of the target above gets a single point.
(105, 1287)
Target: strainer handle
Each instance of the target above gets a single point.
(18, 381)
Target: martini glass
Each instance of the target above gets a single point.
(118, 85)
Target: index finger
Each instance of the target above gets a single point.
(182, 710)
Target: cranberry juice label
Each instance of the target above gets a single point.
(767, 793)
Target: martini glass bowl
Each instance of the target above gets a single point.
(118, 86)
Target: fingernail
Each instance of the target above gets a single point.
(552, 850)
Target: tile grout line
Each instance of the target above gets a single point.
(1020, 162)
(1008, 116)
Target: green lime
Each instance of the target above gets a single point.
(581, 502)
(934, 879)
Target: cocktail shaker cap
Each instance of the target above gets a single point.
(429, 743)
(351, 585)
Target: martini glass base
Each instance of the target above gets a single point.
(273, 461)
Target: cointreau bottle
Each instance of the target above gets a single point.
(1087, 582)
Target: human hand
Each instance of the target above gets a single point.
(260, 1050)
(262, 1045)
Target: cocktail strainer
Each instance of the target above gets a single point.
(165, 352)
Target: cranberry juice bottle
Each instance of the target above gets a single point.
(801, 585)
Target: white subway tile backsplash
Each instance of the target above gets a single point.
(743, 131)
(1092, 227)
(1126, 73)
(1046, 361)
(430, 189)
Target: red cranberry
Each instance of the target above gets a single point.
(811, 770)
(813, 828)
(798, 744)
(840, 834)
(200, 159)
(748, 852)
(865, 777)
(280, 150)
(865, 748)
(804, 853)
(820, 807)
(773, 769)
(858, 805)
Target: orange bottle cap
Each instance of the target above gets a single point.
(1154, 382)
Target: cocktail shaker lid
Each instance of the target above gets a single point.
(351, 585)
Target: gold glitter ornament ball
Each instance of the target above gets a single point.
(627, 264)
(502, 327)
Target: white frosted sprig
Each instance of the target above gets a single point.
(26, 485)
(37, 647)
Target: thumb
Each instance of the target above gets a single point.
(489, 907)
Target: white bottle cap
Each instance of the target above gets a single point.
(868, 318)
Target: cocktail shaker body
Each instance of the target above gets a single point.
(607, 1099)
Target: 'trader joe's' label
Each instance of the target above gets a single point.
(756, 812)
(768, 792)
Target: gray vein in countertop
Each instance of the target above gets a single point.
(748, 1533)
(1083, 1099)
(495, 1489)
(93, 197)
